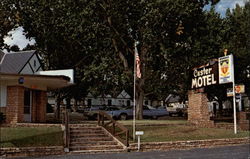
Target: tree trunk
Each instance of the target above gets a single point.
(140, 92)
(139, 105)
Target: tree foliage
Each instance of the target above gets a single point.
(97, 39)
(7, 22)
(237, 23)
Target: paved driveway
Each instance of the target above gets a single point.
(226, 152)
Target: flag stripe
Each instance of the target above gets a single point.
(138, 63)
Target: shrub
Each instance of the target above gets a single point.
(49, 108)
(2, 117)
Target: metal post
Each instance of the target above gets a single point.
(134, 94)
(139, 142)
(127, 138)
(234, 100)
(234, 107)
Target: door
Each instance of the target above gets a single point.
(27, 105)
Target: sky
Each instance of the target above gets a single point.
(17, 37)
(223, 5)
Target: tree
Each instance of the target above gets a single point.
(6, 23)
(238, 43)
(97, 38)
(14, 48)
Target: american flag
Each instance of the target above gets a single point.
(138, 63)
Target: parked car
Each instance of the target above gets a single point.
(181, 112)
(148, 112)
(151, 112)
(92, 112)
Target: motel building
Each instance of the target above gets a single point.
(24, 86)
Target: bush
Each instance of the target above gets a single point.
(49, 108)
(2, 117)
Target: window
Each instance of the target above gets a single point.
(121, 102)
(34, 63)
(89, 102)
(109, 102)
(3, 95)
(128, 103)
(27, 103)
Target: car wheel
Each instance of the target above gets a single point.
(123, 116)
(154, 117)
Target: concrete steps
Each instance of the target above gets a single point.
(90, 138)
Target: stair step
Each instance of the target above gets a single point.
(86, 130)
(94, 143)
(90, 138)
(78, 135)
(87, 139)
(83, 126)
(98, 151)
(96, 147)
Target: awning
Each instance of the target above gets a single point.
(38, 82)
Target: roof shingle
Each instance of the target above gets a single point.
(14, 62)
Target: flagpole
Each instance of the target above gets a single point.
(234, 105)
(234, 100)
(134, 92)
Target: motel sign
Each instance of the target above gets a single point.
(204, 76)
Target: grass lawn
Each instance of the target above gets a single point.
(178, 130)
(27, 136)
(154, 131)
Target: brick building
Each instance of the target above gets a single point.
(24, 86)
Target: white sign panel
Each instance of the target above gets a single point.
(69, 73)
(230, 92)
(226, 69)
(139, 133)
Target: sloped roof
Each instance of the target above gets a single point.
(124, 94)
(14, 62)
(1, 55)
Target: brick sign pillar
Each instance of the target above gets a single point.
(198, 109)
(15, 104)
(243, 119)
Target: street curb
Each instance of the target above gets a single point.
(183, 145)
(145, 146)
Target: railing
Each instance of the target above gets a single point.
(115, 128)
(66, 131)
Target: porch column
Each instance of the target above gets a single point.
(41, 103)
(15, 104)
(34, 107)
